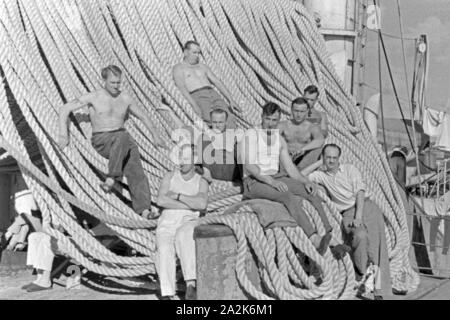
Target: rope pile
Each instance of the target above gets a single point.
(263, 50)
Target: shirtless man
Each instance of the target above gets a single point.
(304, 139)
(311, 95)
(108, 109)
(195, 81)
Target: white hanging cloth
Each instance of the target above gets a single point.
(432, 122)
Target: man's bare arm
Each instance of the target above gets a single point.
(317, 139)
(139, 113)
(164, 199)
(178, 77)
(289, 166)
(222, 88)
(63, 134)
(248, 160)
(324, 125)
(359, 207)
(200, 200)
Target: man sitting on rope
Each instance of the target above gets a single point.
(311, 95)
(182, 195)
(362, 220)
(195, 81)
(218, 151)
(263, 151)
(108, 109)
(304, 139)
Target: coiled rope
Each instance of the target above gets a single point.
(262, 50)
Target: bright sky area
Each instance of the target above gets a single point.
(418, 17)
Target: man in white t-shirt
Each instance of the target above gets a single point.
(183, 193)
(263, 151)
(362, 220)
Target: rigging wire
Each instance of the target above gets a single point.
(410, 104)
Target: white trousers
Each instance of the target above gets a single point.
(40, 254)
(175, 234)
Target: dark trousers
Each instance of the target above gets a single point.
(307, 159)
(124, 159)
(253, 189)
(368, 243)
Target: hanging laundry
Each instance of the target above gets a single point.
(443, 140)
(432, 122)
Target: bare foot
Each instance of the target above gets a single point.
(148, 214)
(107, 185)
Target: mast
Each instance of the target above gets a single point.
(343, 28)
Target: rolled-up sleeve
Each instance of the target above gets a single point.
(357, 180)
(314, 177)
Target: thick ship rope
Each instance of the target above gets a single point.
(262, 50)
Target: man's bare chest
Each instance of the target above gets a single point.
(108, 107)
(297, 134)
(194, 73)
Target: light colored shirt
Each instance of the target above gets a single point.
(223, 140)
(265, 157)
(189, 187)
(342, 186)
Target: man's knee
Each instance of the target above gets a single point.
(183, 234)
(286, 197)
(35, 237)
(359, 236)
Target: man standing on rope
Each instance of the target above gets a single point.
(182, 195)
(304, 139)
(311, 95)
(263, 151)
(195, 80)
(362, 220)
(108, 109)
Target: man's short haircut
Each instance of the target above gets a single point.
(219, 111)
(311, 89)
(189, 43)
(270, 108)
(331, 145)
(299, 100)
(115, 70)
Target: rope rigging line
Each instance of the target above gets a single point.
(263, 50)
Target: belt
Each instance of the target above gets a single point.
(112, 131)
(199, 89)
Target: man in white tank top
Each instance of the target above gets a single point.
(262, 151)
(182, 195)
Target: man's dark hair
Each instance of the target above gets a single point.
(218, 110)
(299, 100)
(270, 108)
(311, 89)
(115, 70)
(190, 43)
(331, 145)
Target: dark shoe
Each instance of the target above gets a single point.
(324, 243)
(378, 297)
(3, 242)
(191, 293)
(35, 287)
(25, 287)
(340, 251)
(151, 286)
(167, 298)
(399, 292)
